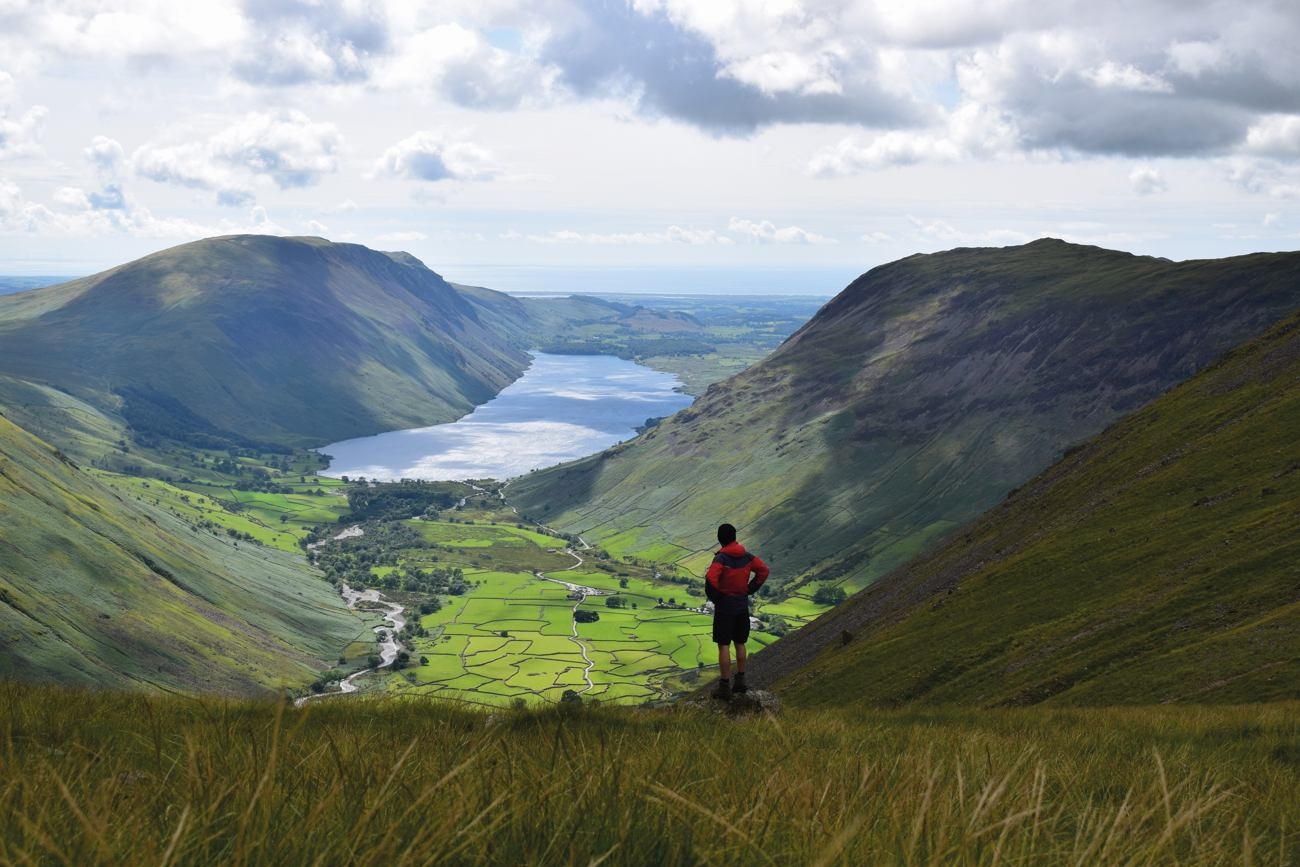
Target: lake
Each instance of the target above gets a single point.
(564, 407)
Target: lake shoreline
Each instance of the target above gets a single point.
(564, 407)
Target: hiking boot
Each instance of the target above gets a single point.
(738, 684)
(723, 690)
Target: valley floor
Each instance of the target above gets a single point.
(112, 778)
(512, 632)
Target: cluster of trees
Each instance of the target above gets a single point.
(829, 595)
(775, 624)
(398, 500)
(264, 486)
(351, 560)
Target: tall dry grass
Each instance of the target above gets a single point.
(126, 779)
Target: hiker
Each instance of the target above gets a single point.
(728, 585)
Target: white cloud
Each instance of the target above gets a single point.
(1197, 57)
(727, 66)
(877, 238)
(944, 232)
(1263, 176)
(671, 235)
(1094, 86)
(778, 47)
(460, 64)
(1276, 135)
(88, 214)
(285, 148)
(21, 137)
(439, 235)
(296, 58)
(894, 148)
(401, 237)
(73, 198)
(970, 132)
(766, 232)
(192, 165)
(1147, 181)
(106, 157)
(17, 214)
(1126, 76)
(305, 42)
(763, 232)
(696, 237)
(139, 30)
(425, 156)
(942, 24)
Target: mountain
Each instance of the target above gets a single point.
(1157, 562)
(105, 591)
(292, 341)
(911, 403)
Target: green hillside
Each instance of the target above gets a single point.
(910, 404)
(1158, 562)
(107, 591)
(288, 340)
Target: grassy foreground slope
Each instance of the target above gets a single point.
(1158, 562)
(911, 403)
(251, 337)
(102, 590)
(129, 779)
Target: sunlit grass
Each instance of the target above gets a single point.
(113, 778)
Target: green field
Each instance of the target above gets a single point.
(506, 633)
(246, 514)
(511, 636)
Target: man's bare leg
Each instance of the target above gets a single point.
(724, 661)
(740, 658)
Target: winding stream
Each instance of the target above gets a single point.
(389, 646)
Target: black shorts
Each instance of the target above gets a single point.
(731, 620)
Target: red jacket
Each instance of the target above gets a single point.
(729, 573)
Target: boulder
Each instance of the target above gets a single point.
(756, 701)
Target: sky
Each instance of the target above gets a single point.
(636, 145)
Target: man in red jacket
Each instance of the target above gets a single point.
(733, 576)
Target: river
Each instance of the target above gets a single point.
(564, 407)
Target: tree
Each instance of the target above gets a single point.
(778, 626)
(827, 595)
(615, 602)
